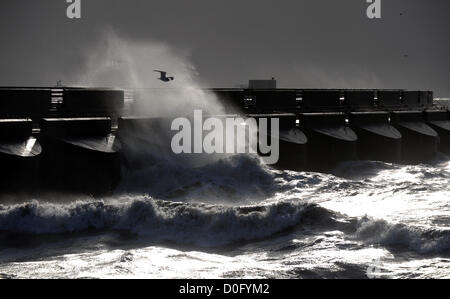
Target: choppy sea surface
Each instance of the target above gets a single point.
(237, 218)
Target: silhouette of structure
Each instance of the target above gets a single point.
(79, 140)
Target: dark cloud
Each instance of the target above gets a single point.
(312, 43)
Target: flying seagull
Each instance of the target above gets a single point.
(164, 77)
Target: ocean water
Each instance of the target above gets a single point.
(237, 218)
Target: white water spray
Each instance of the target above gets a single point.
(130, 64)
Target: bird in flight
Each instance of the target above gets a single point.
(163, 76)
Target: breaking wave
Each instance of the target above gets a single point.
(403, 237)
(237, 178)
(207, 225)
(184, 223)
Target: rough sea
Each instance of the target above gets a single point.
(237, 218)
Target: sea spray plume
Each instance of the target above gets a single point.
(130, 64)
(117, 62)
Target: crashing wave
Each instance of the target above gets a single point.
(184, 223)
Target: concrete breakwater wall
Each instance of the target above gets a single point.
(77, 140)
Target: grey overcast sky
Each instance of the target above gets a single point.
(303, 43)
